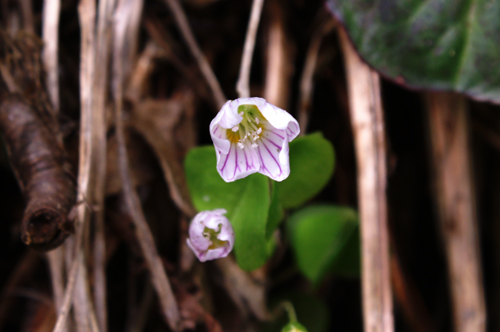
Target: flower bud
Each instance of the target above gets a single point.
(211, 235)
(294, 327)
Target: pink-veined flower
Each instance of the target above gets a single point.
(251, 135)
(211, 235)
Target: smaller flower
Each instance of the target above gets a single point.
(251, 135)
(211, 235)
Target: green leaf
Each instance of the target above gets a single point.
(318, 235)
(311, 165)
(348, 262)
(249, 223)
(432, 44)
(246, 201)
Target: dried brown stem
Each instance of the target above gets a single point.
(448, 124)
(143, 233)
(56, 265)
(187, 34)
(306, 80)
(50, 58)
(279, 60)
(101, 82)
(243, 84)
(369, 141)
(65, 308)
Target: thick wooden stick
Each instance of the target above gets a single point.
(456, 207)
(369, 139)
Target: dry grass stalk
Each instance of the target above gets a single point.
(82, 302)
(56, 266)
(243, 84)
(64, 310)
(448, 124)
(279, 60)
(369, 141)
(101, 84)
(50, 57)
(159, 277)
(187, 34)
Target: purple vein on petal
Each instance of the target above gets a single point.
(275, 132)
(272, 142)
(227, 157)
(236, 166)
(272, 156)
(246, 160)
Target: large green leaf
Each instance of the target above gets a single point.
(318, 235)
(246, 201)
(311, 165)
(432, 44)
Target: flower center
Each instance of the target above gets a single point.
(212, 235)
(249, 130)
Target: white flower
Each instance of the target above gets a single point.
(211, 235)
(251, 135)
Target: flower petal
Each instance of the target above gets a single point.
(273, 154)
(227, 117)
(238, 163)
(280, 119)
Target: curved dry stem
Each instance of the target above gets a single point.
(243, 84)
(187, 34)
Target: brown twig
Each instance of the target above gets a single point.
(187, 34)
(448, 124)
(146, 240)
(50, 58)
(56, 265)
(279, 60)
(369, 138)
(307, 77)
(243, 84)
